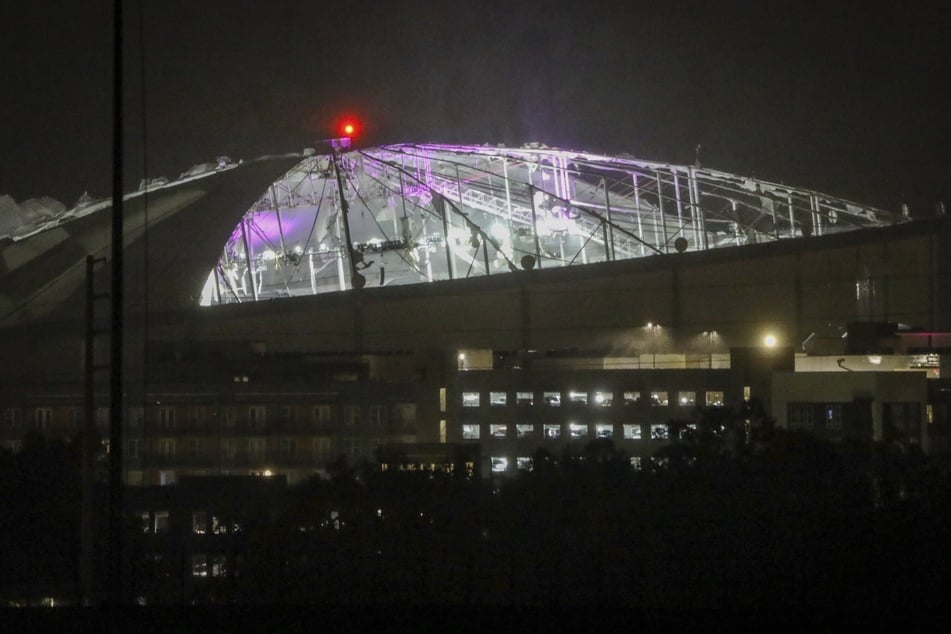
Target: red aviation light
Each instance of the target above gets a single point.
(348, 128)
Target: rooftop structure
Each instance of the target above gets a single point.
(417, 213)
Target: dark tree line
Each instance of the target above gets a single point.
(39, 518)
(730, 513)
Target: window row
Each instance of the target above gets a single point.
(600, 398)
(809, 416)
(253, 448)
(171, 416)
(501, 464)
(655, 431)
(203, 523)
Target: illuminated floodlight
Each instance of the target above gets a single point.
(769, 341)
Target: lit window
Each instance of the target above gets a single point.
(630, 398)
(552, 432)
(218, 525)
(499, 465)
(632, 432)
(498, 431)
(636, 463)
(524, 399)
(199, 522)
(497, 399)
(552, 398)
(833, 416)
(199, 565)
(470, 399)
(523, 463)
(161, 522)
(659, 399)
(219, 566)
(659, 432)
(524, 431)
(577, 430)
(687, 399)
(578, 398)
(603, 430)
(603, 399)
(714, 399)
(145, 522)
(470, 432)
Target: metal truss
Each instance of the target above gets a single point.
(423, 212)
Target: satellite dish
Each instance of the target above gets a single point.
(528, 262)
(358, 281)
(681, 244)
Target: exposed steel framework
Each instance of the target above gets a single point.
(413, 213)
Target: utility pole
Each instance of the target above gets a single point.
(89, 589)
(115, 590)
(356, 278)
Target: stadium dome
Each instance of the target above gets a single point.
(414, 213)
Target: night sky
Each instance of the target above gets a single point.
(851, 98)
